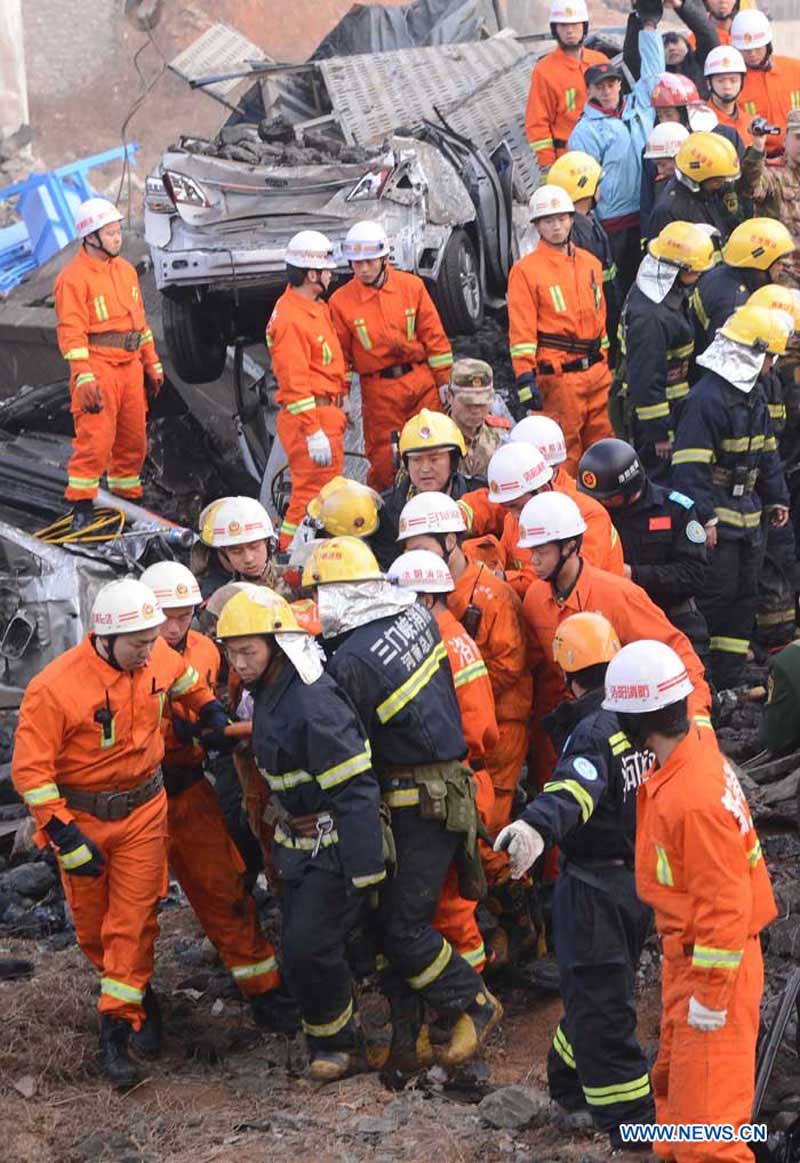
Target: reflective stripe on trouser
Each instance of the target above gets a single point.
(114, 440)
(308, 478)
(210, 871)
(455, 916)
(418, 956)
(729, 599)
(578, 401)
(386, 405)
(504, 764)
(318, 912)
(707, 1078)
(115, 914)
(595, 1061)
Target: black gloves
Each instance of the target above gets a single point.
(77, 854)
(525, 397)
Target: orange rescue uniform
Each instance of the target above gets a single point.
(61, 746)
(771, 93)
(96, 296)
(740, 120)
(699, 864)
(202, 854)
(555, 101)
(501, 640)
(309, 366)
(633, 616)
(455, 916)
(386, 328)
(557, 316)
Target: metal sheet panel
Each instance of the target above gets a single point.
(219, 49)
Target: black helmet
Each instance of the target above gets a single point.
(611, 469)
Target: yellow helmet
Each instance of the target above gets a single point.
(707, 155)
(757, 244)
(684, 245)
(346, 508)
(777, 298)
(582, 640)
(758, 328)
(342, 559)
(429, 430)
(258, 610)
(577, 173)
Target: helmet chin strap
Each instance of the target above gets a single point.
(110, 657)
(563, 558)
(97, 244)
(380, 278)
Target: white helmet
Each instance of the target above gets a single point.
(568, 12)
(544, 434)
(430, 513)
(94, 214)
(549, 200)
(666, 139)
(310, 251)
(365, 240)
(125, 606)
(549, 517)
(516, 469)
(174, 585)
(234, 521)
(724, 59)
(645, 676)
(750, 29)
(422, 571)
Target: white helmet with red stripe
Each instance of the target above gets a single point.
(423, 571)
(310, 250)
(544, 434)
(234, 521)
(645, 676)
(430, 513)
(568, 12)
(174, 585)
(724, 59)
(125, 606)
(94, 214)
(516, 469)
(750, 29)
(549, 517)
(365, 240)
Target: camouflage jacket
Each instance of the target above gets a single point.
(491, 434)
(775, 190)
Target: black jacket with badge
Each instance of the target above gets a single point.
(588, 808)
(677, 203)
(383, 542)
(717, 295)
(310, 748)
(657, 342)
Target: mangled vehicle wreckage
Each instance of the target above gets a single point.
(429, 141)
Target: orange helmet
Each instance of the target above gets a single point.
(584, 640)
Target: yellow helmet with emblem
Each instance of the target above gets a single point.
(684, 245)
(428, 430)
(577, 173)
(777, 298)
(346, 508)
(757, 243)
(758, 328)
(583, 640)
(258, 610)
(342, 559)
(707, 155)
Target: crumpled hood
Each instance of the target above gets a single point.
(740, 366)
(656, 278)
(344, 606)
(304, 653)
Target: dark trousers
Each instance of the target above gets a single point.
(319, 910)
(729, 602)
(418, 956)
(596, 1062)
(688, 618)
(626, 247)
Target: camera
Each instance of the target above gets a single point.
(760, 127)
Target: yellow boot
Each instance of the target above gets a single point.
(471, 1030)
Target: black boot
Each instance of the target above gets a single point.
(147, 1040)
(82, 515)
(276, 1011)
(410, 1050)
(114, 1060)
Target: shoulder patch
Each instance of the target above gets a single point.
(585, 769)
(681, 499)
(696, 533)
(498, 422)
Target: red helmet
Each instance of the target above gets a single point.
(674, 89)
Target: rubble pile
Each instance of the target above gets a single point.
(273, 142)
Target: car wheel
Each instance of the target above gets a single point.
(458, 291)
(194, 339)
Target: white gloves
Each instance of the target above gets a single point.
(704, 1019)
(523, 844)
(319, 448)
